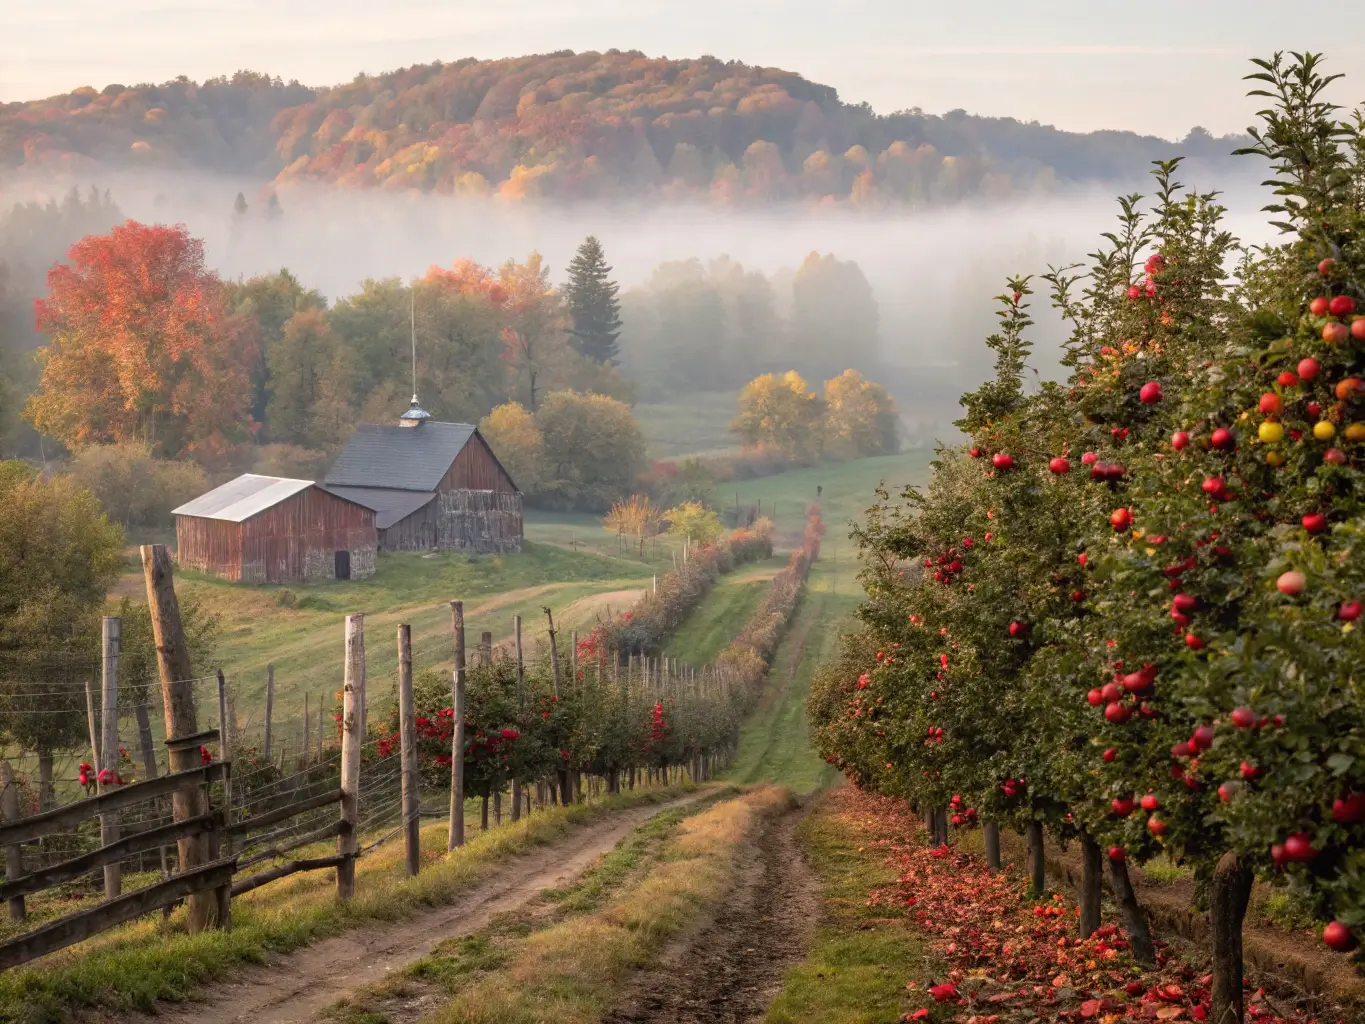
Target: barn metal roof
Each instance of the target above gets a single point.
(389, 506)
(240, 499)
(399, 458)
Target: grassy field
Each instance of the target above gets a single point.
(300, 628)
(701, 425)
(709, 629)
(774, 745)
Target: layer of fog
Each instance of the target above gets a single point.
(934, 272)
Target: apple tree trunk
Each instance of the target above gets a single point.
(992, 833)
(1092, 885)
(1228, 906)
(1037, 871)
(1134, 921)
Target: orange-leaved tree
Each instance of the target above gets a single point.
(143, 347)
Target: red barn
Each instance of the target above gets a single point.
(432, 486)
(270, 529)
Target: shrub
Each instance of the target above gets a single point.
(134, 488)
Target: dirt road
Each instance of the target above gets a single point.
(728, 971)
(291, 989)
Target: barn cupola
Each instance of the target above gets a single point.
(415, 416)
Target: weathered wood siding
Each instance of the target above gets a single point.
(481, 522)
(298, 539)
(415, 533)
(477, 469)
(209, 545)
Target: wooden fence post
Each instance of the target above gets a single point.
(269, 706)
(486, 645)
(225, 754)
(177, 696)
(455, 836)
(322, 723)
(308, 718)
(521, 699)
(348, 842)
(14, 855)
(407, 737)
(111, 638)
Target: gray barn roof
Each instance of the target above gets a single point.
(240, 499)
(389, 506)
(399, 458)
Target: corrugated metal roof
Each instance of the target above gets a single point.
(389, 506)
(240, 499)
(399, 458)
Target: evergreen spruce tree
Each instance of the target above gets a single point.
(593, 306)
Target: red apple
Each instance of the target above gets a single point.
(1318, 307)
(1222, 439)
(1350, 810)
(1342, 305)
(1179, 440)
(1313, 409)
(1095, 697)
(1314, 522)
(1349, 611)
(1134, 292)
(1335, 333)
(1082, 559)
(1338, 937)
(1243, 718)
(1150, 802)
(1018, 629)
(975, 452)
(1117, 713)
(1348, 388)
(1277, 855)
(1298, 848)
(1203, 737)
(1089, 459)
(1111, 692)
(1287, 378)
(1150, 393)
(1249, 771)
(1156, 826)
(1078, 595)
(1184, 603)
(1325, 267)
(1122, 807)
(1335, 456)
(1109, 755)
(1358, 328)
(1193, 642)
(1002, 461)
(1059, 465)
(1120, 519)
(1271, 404)
(1309, 368)
(1291, 583)
(1226, 791)
(1116, 853)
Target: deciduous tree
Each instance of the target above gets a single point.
(143, 347)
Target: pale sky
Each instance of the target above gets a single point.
(1159, 67)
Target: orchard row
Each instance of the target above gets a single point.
(1156, 656)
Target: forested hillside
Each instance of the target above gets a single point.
(566, 125)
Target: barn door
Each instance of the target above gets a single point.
(343, 565)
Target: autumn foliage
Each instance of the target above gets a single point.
(143, 347)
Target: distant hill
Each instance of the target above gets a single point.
(567, 125)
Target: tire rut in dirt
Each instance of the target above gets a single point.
(730, 970)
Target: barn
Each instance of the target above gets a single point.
(271, 529)
(432, 486)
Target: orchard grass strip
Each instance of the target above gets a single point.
(135, 966)
(457, 963)
(572, 972)
(995, 954)
(854, 972)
